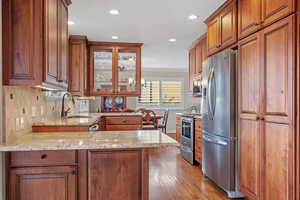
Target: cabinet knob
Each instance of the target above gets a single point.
(44, 156)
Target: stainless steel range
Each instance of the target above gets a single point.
(187, 148)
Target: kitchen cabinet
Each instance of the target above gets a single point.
(35, 43)
(42, 183)
(78, 70)
(116, 175)
(178, 128)
(222, 27)
(197, 55)
(123, 123)
(198, 140)
(256, 14)
(266, 140)
(115, 69)
(192, 67)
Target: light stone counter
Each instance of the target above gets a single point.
(86, 119)
(89, 140)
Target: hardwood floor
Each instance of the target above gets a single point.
(172, 178)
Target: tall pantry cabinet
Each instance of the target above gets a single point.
(266, 90)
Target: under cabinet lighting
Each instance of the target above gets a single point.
(114, 12)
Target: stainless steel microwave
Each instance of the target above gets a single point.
(197, 86)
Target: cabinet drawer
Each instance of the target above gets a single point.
(42, 158)
(123, 120)
(123, 127)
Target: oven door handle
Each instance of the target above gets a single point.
(215, 141)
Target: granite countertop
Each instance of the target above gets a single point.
(89, 140)
(87, 119)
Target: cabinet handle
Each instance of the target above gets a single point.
(124, 121)
(44, 156)
(262, 118)
(74, 172)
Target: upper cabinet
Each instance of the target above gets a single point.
(255, 14)
(197, 55)
(222, 27)
(78, 70)
(115, 69)
(35, 45)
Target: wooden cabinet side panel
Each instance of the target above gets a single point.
(192, 67)
(22, 42)
(122, 170)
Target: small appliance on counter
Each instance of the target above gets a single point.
(187, 147)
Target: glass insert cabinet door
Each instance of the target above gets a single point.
(128, 72)
(102, 75)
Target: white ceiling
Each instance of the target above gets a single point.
(151, 22)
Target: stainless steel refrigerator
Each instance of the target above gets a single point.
(219, 127)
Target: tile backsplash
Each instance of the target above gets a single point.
(24, 106)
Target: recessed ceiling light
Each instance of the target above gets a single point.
(114, 37)
(172, 40)
(193, 17)
(114, 12)
(71, 22)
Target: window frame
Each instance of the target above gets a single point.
(178, 106)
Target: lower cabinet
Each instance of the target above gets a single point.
(115, 175)
(178, 128)
(198, 141)
(47, 183)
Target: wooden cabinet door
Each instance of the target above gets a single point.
(198, 69)
(249, 111)
(62, 76)
(204, 49)
(228, 29)
(278, 50)
(273, 10)
(192, 67)
(22, 42)
(115, 175)
(51, 41)
(249, 17)
(77, 65)
(45, 183)
(213, 36)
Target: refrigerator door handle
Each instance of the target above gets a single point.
(209, 94)
(215, 141)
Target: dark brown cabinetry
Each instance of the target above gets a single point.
(178, 128)
(108, 172)
(222, 27)
(266, 140)
(78, 71)
(198, 140)
(115, 69)
(256, 14)
(35, 44)
(197, 55)
(123, 123)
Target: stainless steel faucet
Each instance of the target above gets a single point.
(64, 113)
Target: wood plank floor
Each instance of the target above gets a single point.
(172, 178)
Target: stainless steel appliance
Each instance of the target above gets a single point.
(197, 86)
(218, 109)
(187, 147)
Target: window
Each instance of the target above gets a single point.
(161, 93)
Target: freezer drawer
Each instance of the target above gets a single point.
(218, 161)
